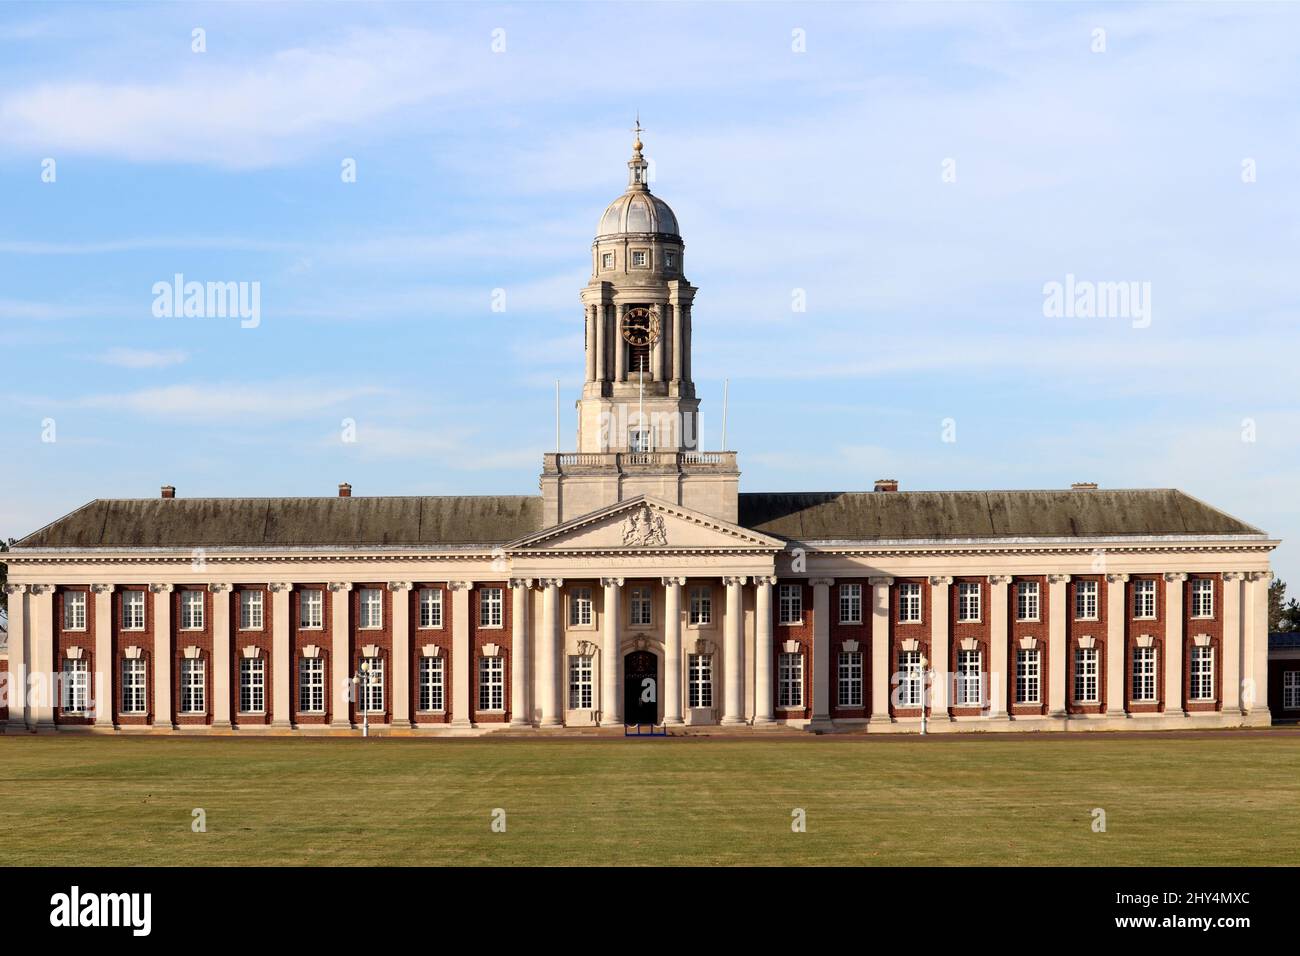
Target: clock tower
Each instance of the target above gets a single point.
(638, 417)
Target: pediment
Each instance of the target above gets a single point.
(645, 525)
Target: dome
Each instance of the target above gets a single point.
(637, 211)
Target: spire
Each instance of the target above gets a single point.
(638, 178)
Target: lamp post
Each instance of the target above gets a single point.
(925, 663)
(363, 680)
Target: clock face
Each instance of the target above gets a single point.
(641, 327)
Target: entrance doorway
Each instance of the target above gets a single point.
(640, 688)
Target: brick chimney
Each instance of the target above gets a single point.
(345, 490)
(1084, 486)
(169, 491)
(886, 484)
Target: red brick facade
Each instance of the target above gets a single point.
(481, 635)
(1034, 628)
(1077, 630)
(841, 632)
(800, 631)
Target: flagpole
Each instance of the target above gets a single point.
(557, 416)
(726, 386)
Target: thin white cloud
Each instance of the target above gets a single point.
(263, 402)
(142, 358)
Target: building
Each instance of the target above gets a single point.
(1284, 675)
(642, 586)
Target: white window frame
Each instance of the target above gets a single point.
(1201, 674)
(701, 606)
(370, 609)
(1144, 600)
(1027, 601)
(194, 685)
(1085, 600)
(371, 685)
(699, 680)
(1086, 670)
(1202, 598)
(1146, 668)
(969, 605)
(135, 685)
(75, 680)
(640, 259)
(789, 604)
(192, 610)
(491, 604)
(433, 689)
(970, 679)
(909, 603)
(311, 609)
(607, 260)
(850, 603)
(582, 691)
(1291, 690)
(133, 611)
(790, 680)
(640, 608)
(849, 672)
(911, 679)
(311, 685)
(74, 610)
(582, 609)
(491, 684)
(252, 611)
(430, 609)
(1029, 676)
(252, 685)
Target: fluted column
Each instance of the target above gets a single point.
(676, 310)
(733, 698)
(821, 656)
(340, 655)
(401, 679)
(1056, 649)
(939, 663)
(999, 637)
(673, 649)
(590, 341)
(162, 654)
(280, 656)
(611, 704)
(620, 348)
(104, 677)
(1116, 692)
(519, 715)
(764, 698)
(19, 660)
(880, 670)
(1232, 643)
(1174, 641)
(549, 648)
(462, 704)
(220, 655)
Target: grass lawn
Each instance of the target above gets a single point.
(1222, 798)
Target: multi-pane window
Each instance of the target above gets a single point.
(850, 603)
(250, 610)
(134, 700)
(491, 683)
(1085, 600)
(909, 678)
(580, 607)
(701, 606)
(1144, 673)
(430, 607)
(580, 691)
(640, 607)
(431, 687)
(76, 686)
(1202, 598)
(191, 610)
(194, 698)
(850, 673)
(74, 610)
(1144, 598)
(252, 685)
(790, 680)
(639, 258)
(1202, 673)
(699, 683)
(1028, 677)
(790, 604)
(311, 685)
(607, 260)
(1026, 600)
(372, 608)
(970, 679)
(968, 601)
(909, 602)
(372, 685)
(489, 607)
(1085, 675)
(1291, 690)
(311, 608)
(133, 610)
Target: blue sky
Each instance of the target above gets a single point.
(819, 170)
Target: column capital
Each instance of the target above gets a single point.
(103, 588)
(734, 580)
(999, 579)
(399, 585)
(15, 588)
(162, 588)
(941, 580)
(550, 582)
(669, 582)
(1259, 575)
(1234, 575)
(1175, 576)
(518, 583)
(878, 582)
(821, 582)
(459, 585)
(768, 579)
(1058, 579)
(275, 587)
(1117, 578)
(609, 582)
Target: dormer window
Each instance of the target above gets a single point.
(607, 260)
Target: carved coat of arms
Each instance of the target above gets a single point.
(644, 528)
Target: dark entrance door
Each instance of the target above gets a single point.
(640, 688)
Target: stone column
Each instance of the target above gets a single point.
(590, 341)
(162, 654)
(620, 347)
(519, 716)
(764, 698)
(686, 343)
(280, 656)
(611, 705)
(733, 702)
(675, 309)
(462, 704)
(821, 662)
(673, 650)
(941, 684)
(1000, 676)
(602, 339)
(1232, 643)
(880, 669)
(550, 646)
(1116, 692)
(19, 661)
(340, 655)
(1056, 649)
(1259, 640)
(220, 655)
(43, 666)
(103, 654)
(1174, 641)
(400, 590)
